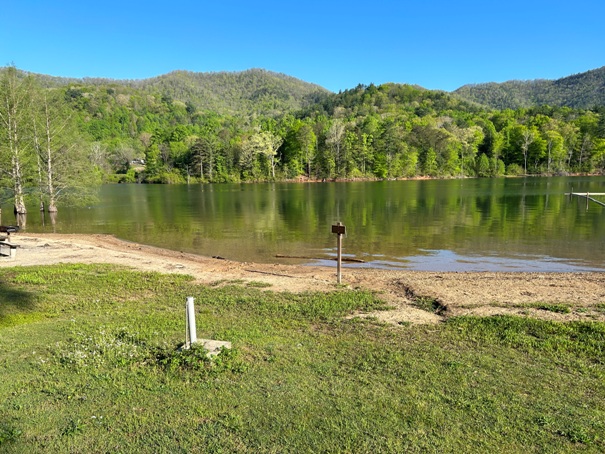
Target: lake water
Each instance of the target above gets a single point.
(517, 224)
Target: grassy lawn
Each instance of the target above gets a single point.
(88, 363)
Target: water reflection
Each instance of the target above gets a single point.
(457, 225)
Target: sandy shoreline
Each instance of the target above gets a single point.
(461, 293)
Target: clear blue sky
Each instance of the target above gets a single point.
(338, 44)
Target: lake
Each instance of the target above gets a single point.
(512, 224)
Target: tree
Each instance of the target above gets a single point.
(470, 138)
(430, 167)
(334, 138)
(483, 168)
(265, 144)
(308, 145)
(555, 149)
(392, 145)
(203, 155)
(527, 138)
(273, 142)
(299, 149)
(15, 115)
(64, 169)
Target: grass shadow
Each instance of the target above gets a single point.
(14, 303)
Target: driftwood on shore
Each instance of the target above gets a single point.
(344, 259)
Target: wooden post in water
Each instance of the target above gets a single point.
(339, 230)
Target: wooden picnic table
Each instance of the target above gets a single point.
(5, 243)
(11, 247)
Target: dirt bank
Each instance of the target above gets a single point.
(532, 294)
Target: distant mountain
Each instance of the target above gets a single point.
(254, 90)
(584, 90)
(251, 92)
(261, 92)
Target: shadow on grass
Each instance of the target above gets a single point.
(13, 303)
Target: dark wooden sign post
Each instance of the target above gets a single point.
(339, 230)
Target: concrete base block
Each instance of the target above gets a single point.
(213, 347)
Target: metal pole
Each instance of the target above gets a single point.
(190, 318)
(339, 258)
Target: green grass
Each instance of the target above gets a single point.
(89, 363)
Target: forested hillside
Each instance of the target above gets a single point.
(251, 92)
(581, 91)
(267, 127)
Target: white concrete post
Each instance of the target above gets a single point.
(190, 320)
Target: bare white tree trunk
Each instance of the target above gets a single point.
(15, 105)
(50, 187)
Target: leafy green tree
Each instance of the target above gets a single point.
(152, 161)
(299, 149)
(364, 152)
(430, 167)
(555, 150)
(203, 156)
(469, 140)
(392, 145)
(537, 152)
(334, 139)
(483, 166)
(520, 138)
(597, 159)
(308, 145)
(262, 144)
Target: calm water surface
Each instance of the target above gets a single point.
(524, 224)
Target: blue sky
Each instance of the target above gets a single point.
(336, 44)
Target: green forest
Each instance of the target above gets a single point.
(60, 137)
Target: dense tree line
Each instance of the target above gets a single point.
(130, 134)
(388, 131)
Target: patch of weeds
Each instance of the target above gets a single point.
(116, 347)
(557, 308)
(426, 303)
(8, 435)
(258, 284)
(196, 359)
(600, 307)
(575, 435)
(429, 304)
(223, 282)
(74, 426)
